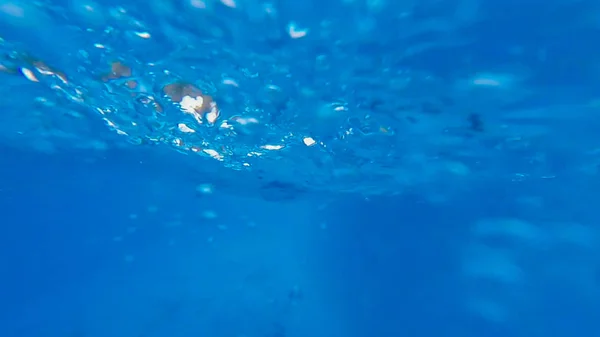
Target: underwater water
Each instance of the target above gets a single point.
(334, 168)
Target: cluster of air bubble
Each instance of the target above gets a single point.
(331, 98)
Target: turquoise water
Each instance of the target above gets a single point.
(336, 168)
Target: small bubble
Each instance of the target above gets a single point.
(29, 75)
(308, 141)
(229, 3)
(184, 128)
(272, 147)
(295, 32)
(204, 189)
(143, 35)
(198, 4)
(230, 81)
(209, 215)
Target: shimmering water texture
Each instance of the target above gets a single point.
(366, 96)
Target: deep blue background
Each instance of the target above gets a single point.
(311, 265)
(395, 263)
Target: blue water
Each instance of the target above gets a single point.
(333, 168)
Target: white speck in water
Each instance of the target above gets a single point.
(143, 35)
(230, 81)
(272, 147)
(308, 141)
(212, 114)
(184, 128)
(216, 155)
(29, 75)
(229, 3)
(190, 104)
(295, 32)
